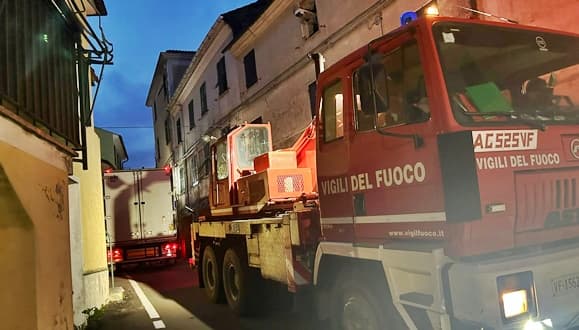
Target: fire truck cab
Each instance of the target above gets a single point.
(447, 163)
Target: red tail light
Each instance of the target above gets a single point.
(117, 255)
(170, 249)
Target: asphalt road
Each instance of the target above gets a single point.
(176, 302)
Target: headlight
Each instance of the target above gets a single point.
(515, 303)
(517, 296)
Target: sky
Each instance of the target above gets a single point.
(139, 30)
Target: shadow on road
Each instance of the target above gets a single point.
(180, 284)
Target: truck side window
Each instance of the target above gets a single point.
(221, 160)
(403, 87)
(364, 99)
(333, 111)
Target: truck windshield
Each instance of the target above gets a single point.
(251, 142)
(498, 75)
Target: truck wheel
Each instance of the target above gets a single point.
(358, 304)
(212, 275)
(237, 283)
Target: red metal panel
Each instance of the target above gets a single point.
(546, 200)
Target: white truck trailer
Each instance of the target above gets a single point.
(139, 216)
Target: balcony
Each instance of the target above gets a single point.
(43, 70)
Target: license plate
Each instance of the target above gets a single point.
(565, 284)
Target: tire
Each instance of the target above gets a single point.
(238, 284)
(211, 272)
(357, 304)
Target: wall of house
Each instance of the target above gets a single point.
(107, 147)
(95, 272)
(76, 255)
(554, 14)
(217, 105)
(206, 72)
(35, 275)
(164, 155)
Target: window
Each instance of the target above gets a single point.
(312, 92)
(179, 135)
(192, 171)
(250, 69)
(167, 131)
(333, 111)
(501, 75)
(191, 116)
(182, 180)
(397, 95)
(202, 158)
(203, 96)
(165, 87)
(251, 142)
(221, 160)
(308, 16)
(221, 76)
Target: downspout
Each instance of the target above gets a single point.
(317, 65)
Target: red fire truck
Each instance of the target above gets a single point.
(438, 187)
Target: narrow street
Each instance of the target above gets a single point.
(177, 303)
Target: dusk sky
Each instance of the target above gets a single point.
(139, 31)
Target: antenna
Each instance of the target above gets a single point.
(504, 19)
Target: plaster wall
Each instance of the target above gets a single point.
(91, 191)
(75, 223)
(36, 268)
(92, 228)
(206, 72)
(554, 14)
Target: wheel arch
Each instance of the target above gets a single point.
(333, 258)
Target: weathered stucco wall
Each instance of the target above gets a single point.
(92, 209)
(17, 253)
(555, 14)
(35, 275)
(95, 273)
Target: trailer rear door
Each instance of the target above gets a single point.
(156, 205)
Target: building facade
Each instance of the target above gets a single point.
(45, 132)
(171, 66)
(113, 151)
(168, 130)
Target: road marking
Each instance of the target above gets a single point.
(158, 324)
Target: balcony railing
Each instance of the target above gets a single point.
(39, 66)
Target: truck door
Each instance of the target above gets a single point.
(333, 162)
(156, 208)
(392, 146)
(122, 206)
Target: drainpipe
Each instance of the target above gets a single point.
(319, 60)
